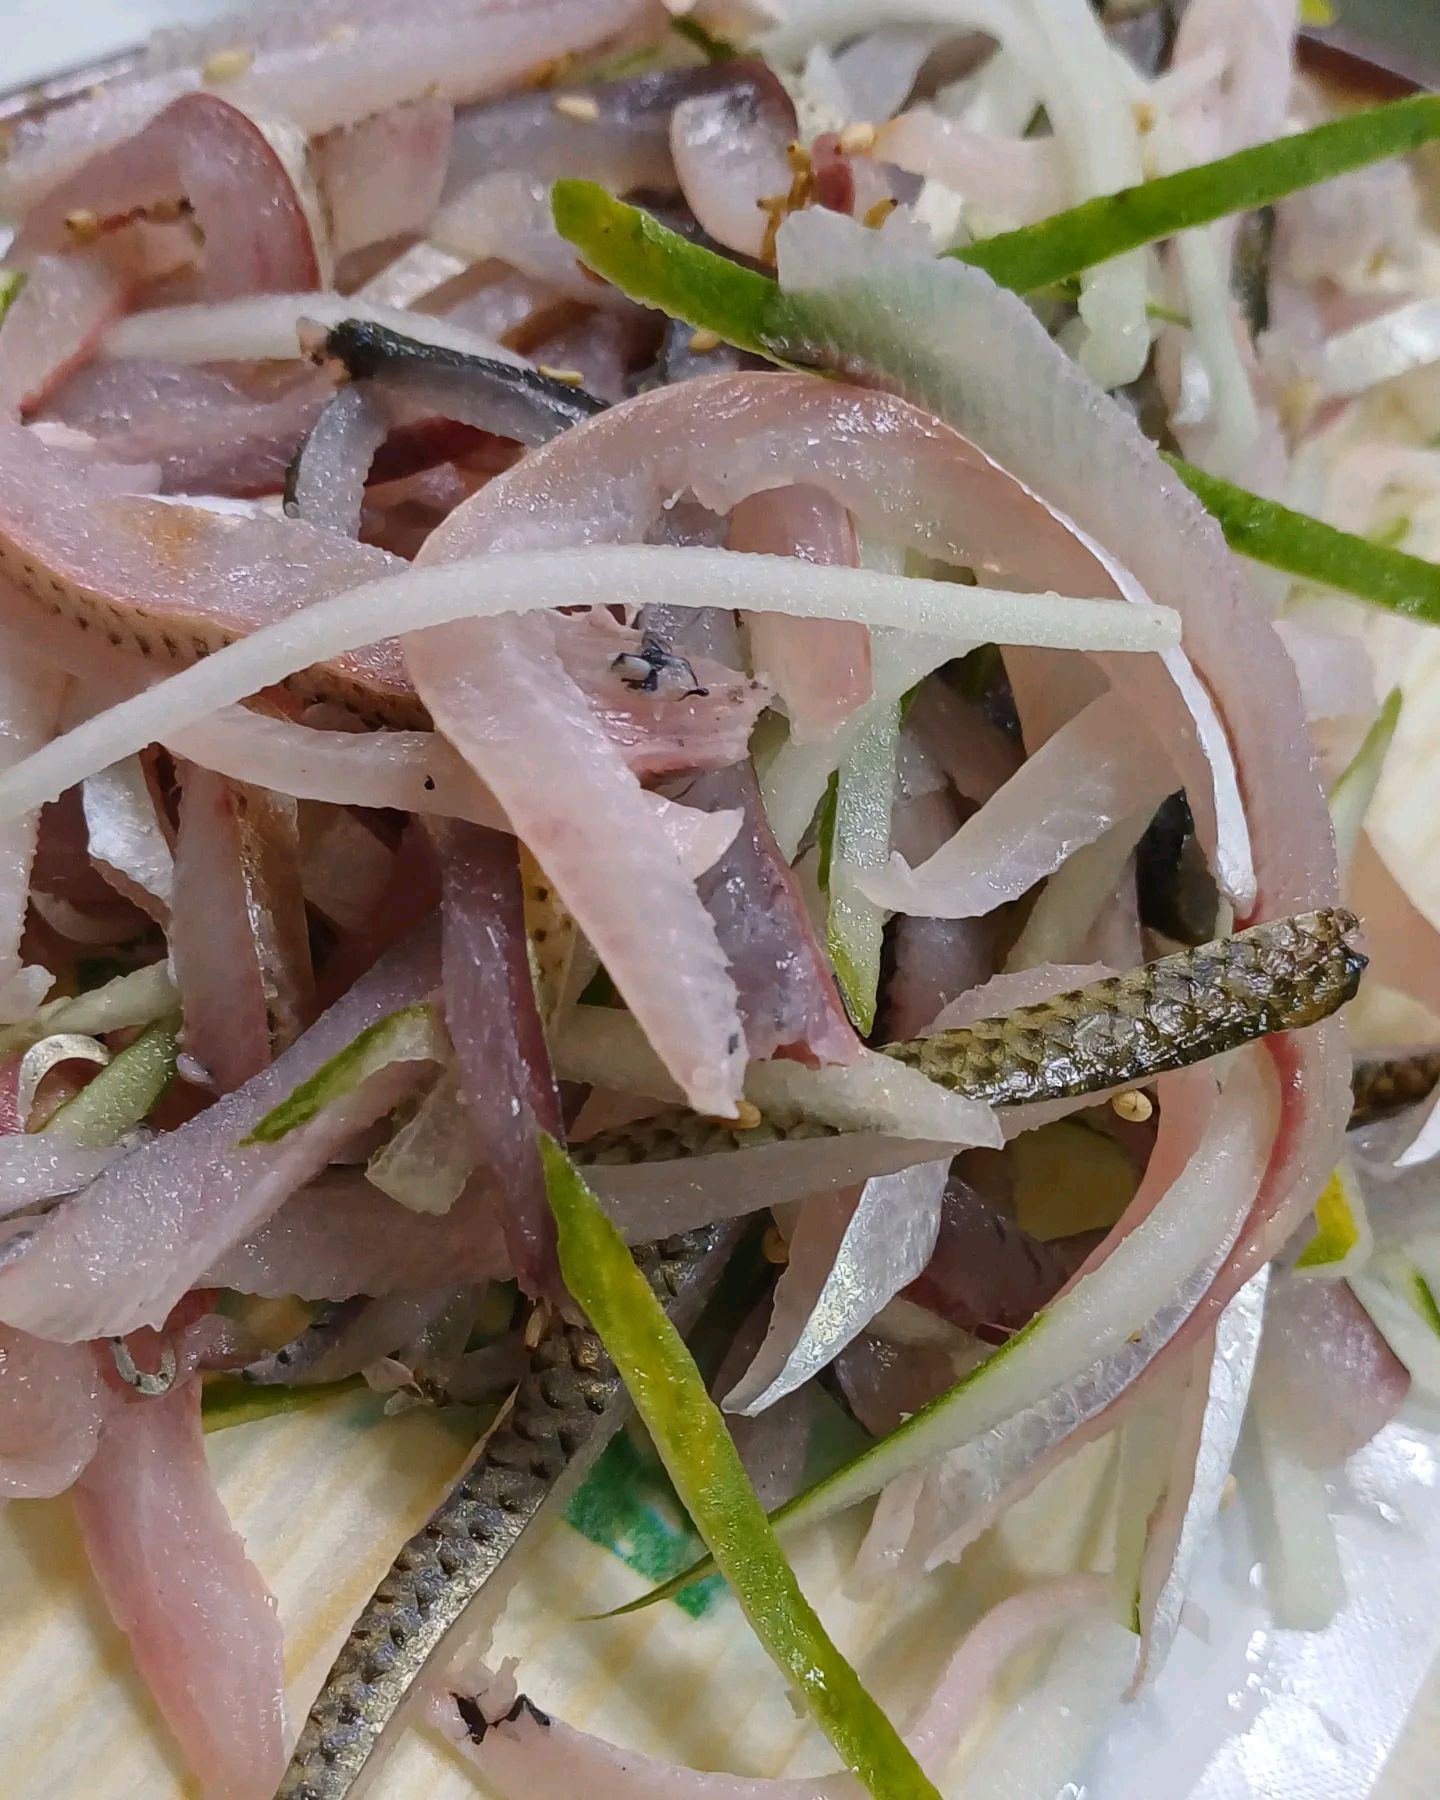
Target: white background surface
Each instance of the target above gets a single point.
(1254, 1711)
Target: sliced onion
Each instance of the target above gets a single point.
(1015, 179)
(427, 1163)
(729, 148)
(47, 1054)
(652, 574)
(55, 324)
(266, 327)
(786, 992)
(255, 232)
(1207, 1435)
(524, 1758)
(327, 483)
(850, 1253)
(605, 1047)
(1091, 773)
(40, 1168)
(239, 941)
(1397, 343)
(123, 1252)
(126, 838)
(120, 1004)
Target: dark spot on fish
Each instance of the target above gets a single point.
(733, 1043)
(429, 784)
(644, 671)
(476, 1724)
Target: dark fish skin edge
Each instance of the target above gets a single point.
(1388, 1084)
(564, 1412)
(1128, 1028)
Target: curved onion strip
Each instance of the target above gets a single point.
(125, 1001)
(125, 835)
(1015, 179)
(40, 1168)
(30, 698)
(1079, 783)
(496, 584)
(524, 1759)
(850, 1254)
(265, 327)
(1214, 1410)
(123, 1252)
(48, 1053)
(605, 1047)
(1397, 343)
(859, 285)
(202, 1625)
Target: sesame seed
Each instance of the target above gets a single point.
(570, 377)
(83, 225)
(747, 1115)
(856, 140)
(704, 341)
(1135, 1106)
(879, 212)
(577, 106)
(225, 65)
(775, 1249)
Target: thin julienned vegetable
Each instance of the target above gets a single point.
(1106, 227)
(123, 1093)
(700, 1456)
(1307, 549)
(227, 1401)
(411, 1035)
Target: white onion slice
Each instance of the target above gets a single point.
(1397, 343)
(1089, 775)
(427, 1163)
(125, 834)
(264, 328)
(520, 582)
(1214, 1410)
(604, 1047)
(123, 1002)
(42, 1057)
(850, 1254)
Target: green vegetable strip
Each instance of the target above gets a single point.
(860, 838)
(1098, 230)
(122, 1094)
(701, 1460)
(1298, 545)
(11, 283)
(411, 1035)
(228, 1401)
(659, 268)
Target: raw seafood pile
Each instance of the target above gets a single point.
(618, 630)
